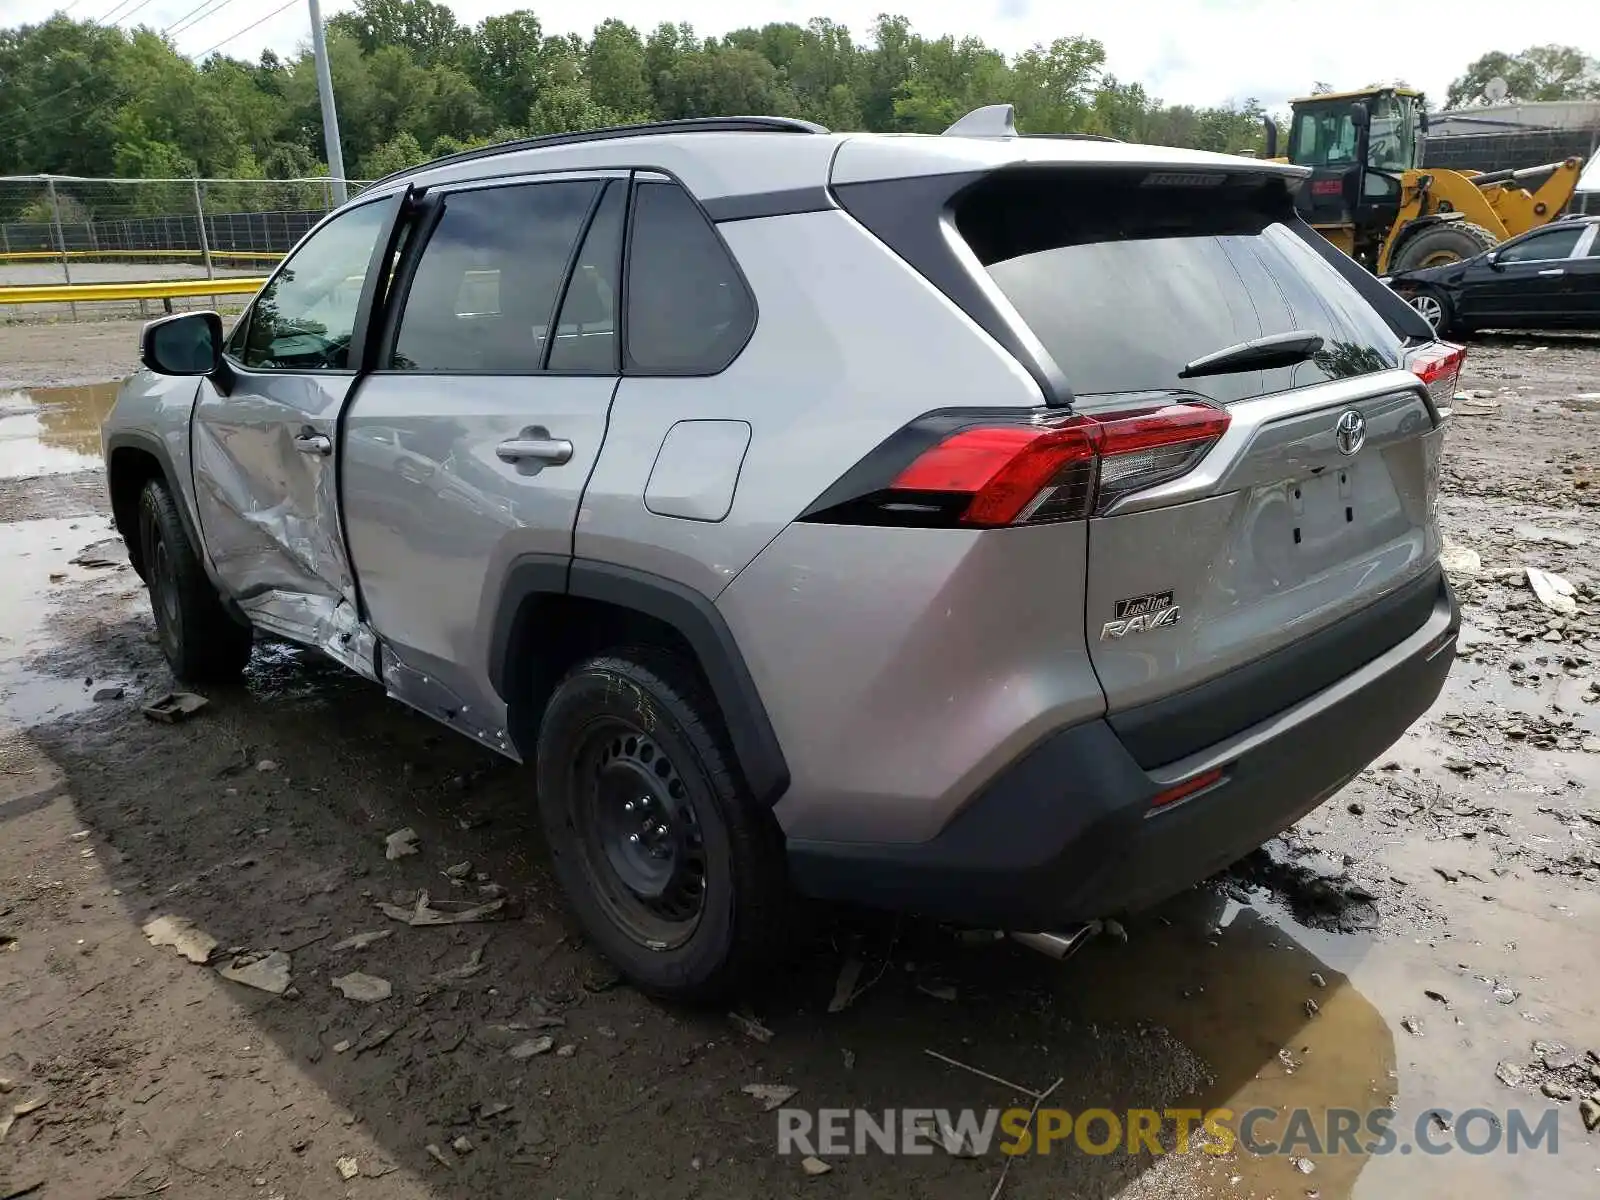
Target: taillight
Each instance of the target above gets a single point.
(966, 471)
(1438, 365)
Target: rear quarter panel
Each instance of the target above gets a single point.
(850, 344)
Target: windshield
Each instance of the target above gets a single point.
(1125, 284)
(1325, 134)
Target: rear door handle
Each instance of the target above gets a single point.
(313, 443)
(1552, 271)
(554, 451)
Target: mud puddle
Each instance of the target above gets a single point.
(52, 431)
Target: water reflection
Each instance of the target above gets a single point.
(52, 431)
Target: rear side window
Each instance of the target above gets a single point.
(1125, 283)
(1555, 243)
(689, 312)
(486, 286)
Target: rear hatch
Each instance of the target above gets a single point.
(1304, 542)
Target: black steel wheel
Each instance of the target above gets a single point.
(640, 835)
(673, 871)
(201, 641)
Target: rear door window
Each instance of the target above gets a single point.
(689, 312)
(486, 286)
(1124, 283)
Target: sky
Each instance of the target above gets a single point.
(1199, 52)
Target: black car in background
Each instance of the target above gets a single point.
(1546, 279)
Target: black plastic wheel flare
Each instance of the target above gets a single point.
(640, 834)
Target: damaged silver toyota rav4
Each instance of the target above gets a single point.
(1013, 530)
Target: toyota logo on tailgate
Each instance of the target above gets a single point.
(1350, 431)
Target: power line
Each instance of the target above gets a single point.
(114, 9)
(187, 22)
(134, 9)
(246, 29)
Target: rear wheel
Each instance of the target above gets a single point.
(673, 871)
(1441, 244)
(201, 642)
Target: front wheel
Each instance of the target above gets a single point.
(673, 871)
(201, 642)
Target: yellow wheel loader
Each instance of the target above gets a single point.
(1368, 195)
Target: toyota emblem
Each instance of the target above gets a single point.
(1350, 431)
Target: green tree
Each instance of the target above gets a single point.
(1538, 73)
(615, 65)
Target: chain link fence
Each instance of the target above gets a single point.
(58, 231)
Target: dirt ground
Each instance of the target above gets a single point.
(1441, 915)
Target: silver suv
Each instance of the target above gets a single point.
(1013, 530)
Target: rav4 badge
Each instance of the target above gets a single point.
(1141, 614)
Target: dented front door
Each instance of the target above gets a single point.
(266, 435)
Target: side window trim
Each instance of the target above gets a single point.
(425, 221)
(560, 296)
(356, 365)
(625, 278)
(1547, 235)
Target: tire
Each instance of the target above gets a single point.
(1446, 242)
(201, 641)
(672, 870)
(1435, 308)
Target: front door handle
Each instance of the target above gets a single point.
(313, 443)
(554, 451)
(1552, 271)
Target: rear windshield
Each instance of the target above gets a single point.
(1126, 281)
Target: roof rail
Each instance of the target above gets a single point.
(685, 125)
(1076, 137)
(992, 120)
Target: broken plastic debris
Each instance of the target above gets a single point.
(771, 1095)
(177, 932)
(446, 912)
(466, 970)
(264, 972)
(19, 1110)
(174, 707)
(532, 1047)
(361, 941)
(400, 843)
(844, 990)
(1460, 561)
(750, 1027)
(347, 1167)
(368, 989)
(438, 1155)
(1554, 592)
(812, 1165)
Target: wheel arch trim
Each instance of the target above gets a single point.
(133, 439)
(690, 613)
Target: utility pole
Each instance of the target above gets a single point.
(330, 116)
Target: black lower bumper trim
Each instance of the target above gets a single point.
(1067, 834)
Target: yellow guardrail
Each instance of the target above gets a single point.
(166, 289)
(271, 256)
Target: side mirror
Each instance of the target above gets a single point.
(1422, 120)
(1270, 127)
(1492, 260)
(184, 344)
(1359, 115)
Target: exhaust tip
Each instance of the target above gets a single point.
(1060, 945)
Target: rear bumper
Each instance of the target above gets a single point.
(1066, 834)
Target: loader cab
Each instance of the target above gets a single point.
(1359, 145)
